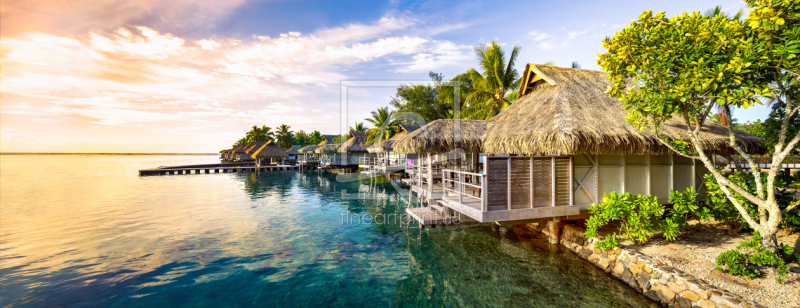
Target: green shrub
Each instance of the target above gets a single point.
(723, 210)
(640, 216)
(685, 207)
(737, 262)
(609, 242)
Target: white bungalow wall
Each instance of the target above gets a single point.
(596, 175)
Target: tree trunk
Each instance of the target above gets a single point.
(770, 242)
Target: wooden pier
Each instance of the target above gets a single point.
(220, 168)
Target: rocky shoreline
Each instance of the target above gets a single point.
(670, 286)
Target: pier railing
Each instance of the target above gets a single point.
(467, 186)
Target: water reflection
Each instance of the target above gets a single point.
(102, 236)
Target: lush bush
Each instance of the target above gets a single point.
(685, 207)
(639, 216)
(737, 262)
(722, 210)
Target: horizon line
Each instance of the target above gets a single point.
(80, 153)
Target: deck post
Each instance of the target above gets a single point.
(485, 185)
(430, 173)
(508, 182)
(461, 188)
(571, 181)
(530, 176)
(552, 181)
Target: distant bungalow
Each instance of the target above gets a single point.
(386, 159)
(557, 150)
(266, 150)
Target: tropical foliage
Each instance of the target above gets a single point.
(686, 65)
(384, 127)
(259, 134)
(284, 136)
(489, 89)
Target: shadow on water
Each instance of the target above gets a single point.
(286, 244)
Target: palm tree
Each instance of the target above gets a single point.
(359, 127)
(492, 89)
(241, 141)
(316, 137)
(384, 126)
(284, 136)
(259, 134)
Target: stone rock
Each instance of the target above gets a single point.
(619, 268)
(663, 280)
(604, 255)
(617, 251)
(603, 263)
(573, 233)
(635, 270)
(691, 295)
(612, 257)
(684, 302)
(648, 269)
(655, 274)
(626, 276)
(634, 259)
(666, 295)
(644, 283)
(594, 257)
(640, 264)
(579, 241)
(704, 303)
(674, 287)
(566, 243)
(625, 260)
(586, 253)
(643, 275)
(653, 295)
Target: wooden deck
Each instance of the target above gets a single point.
(220, 168)
(429, 217)
(433, 194)
(471, 207)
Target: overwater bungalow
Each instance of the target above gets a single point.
(294, 152)
(564, 144)
(267, 151)
(441, 144)
(308, 155)
(355, 148)
(385, 159)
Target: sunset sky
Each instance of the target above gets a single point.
(192, 76)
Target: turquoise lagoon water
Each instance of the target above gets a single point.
(87, 231)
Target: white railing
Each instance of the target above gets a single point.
(465, 184)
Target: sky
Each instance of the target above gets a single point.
(192, 76)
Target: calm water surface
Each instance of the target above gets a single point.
(87, 231)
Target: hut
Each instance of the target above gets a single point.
(386, 159)
(266, 151)
(294, 151)
(308, 153)
(354, 150)
(240, 153)
(565, 143)
(441, 144)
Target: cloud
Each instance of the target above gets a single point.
(136, 75)
(574, 34)
(544, 45)
(539, 36)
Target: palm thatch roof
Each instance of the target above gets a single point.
(293, 150)
(405, 129)
(328, 139)
(356, 144)
(384, 146)
(241, 149)
(268, 149)
(254, 146)
(309, 148)
(328, 148)
(443, 136)
(566, 111)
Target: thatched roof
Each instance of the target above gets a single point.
(293, 150)
(241, 149)
(255, 146)
(328, 139)
(384, 146)
(566, 111)
(328, 148)
(440, 136)
(356, 144)
(405, 129)
(309, 148)
(268, 149)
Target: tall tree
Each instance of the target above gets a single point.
(384, 127)
(685, 65)
(284, 136)
(422, 99)
(358, 127)
(492, 86)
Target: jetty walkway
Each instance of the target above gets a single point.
(220, 168)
